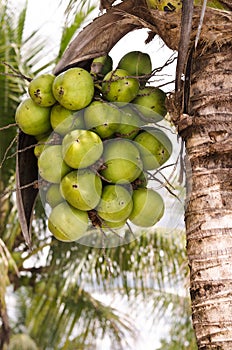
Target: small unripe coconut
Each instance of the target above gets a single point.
(53, 195)
(136, 63)
(130, 122)
(64, 120)
(74, 88)
(117, 86)
(51, 164)
(82, 189)
(101, 65)
(40, 147)
(122, 161)
(66, 223)
(81, 148)
(155, 148)
(150, 102)
(148, 207)
(103, 118)
(31, 118)
(116, 204)
(40, 90)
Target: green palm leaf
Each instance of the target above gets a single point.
(53, 319)
(152, 274)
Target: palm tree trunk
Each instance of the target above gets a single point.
(208, 217)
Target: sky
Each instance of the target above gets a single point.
(47, 18)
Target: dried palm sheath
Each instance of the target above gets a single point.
(26, 177)
(97, 39)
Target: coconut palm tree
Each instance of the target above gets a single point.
(53, 285)
(201, 110)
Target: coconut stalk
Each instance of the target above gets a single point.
(201, 110)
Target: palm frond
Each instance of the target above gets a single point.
(16, 54)
(5, 258)
(181, 335)
(21, 24)
(153, 260)
(11, 87)
(152, 268)
(76, 15)
(74, 6)
(54, 320)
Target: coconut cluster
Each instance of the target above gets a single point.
(97, 141)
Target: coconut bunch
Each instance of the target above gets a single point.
(97, 141)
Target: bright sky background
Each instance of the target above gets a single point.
(45, 16)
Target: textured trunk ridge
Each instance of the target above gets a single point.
(209, 207)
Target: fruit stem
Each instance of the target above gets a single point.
(17, 74)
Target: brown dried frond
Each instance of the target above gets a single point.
(102, 34)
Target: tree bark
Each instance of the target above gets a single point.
(208, 216)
